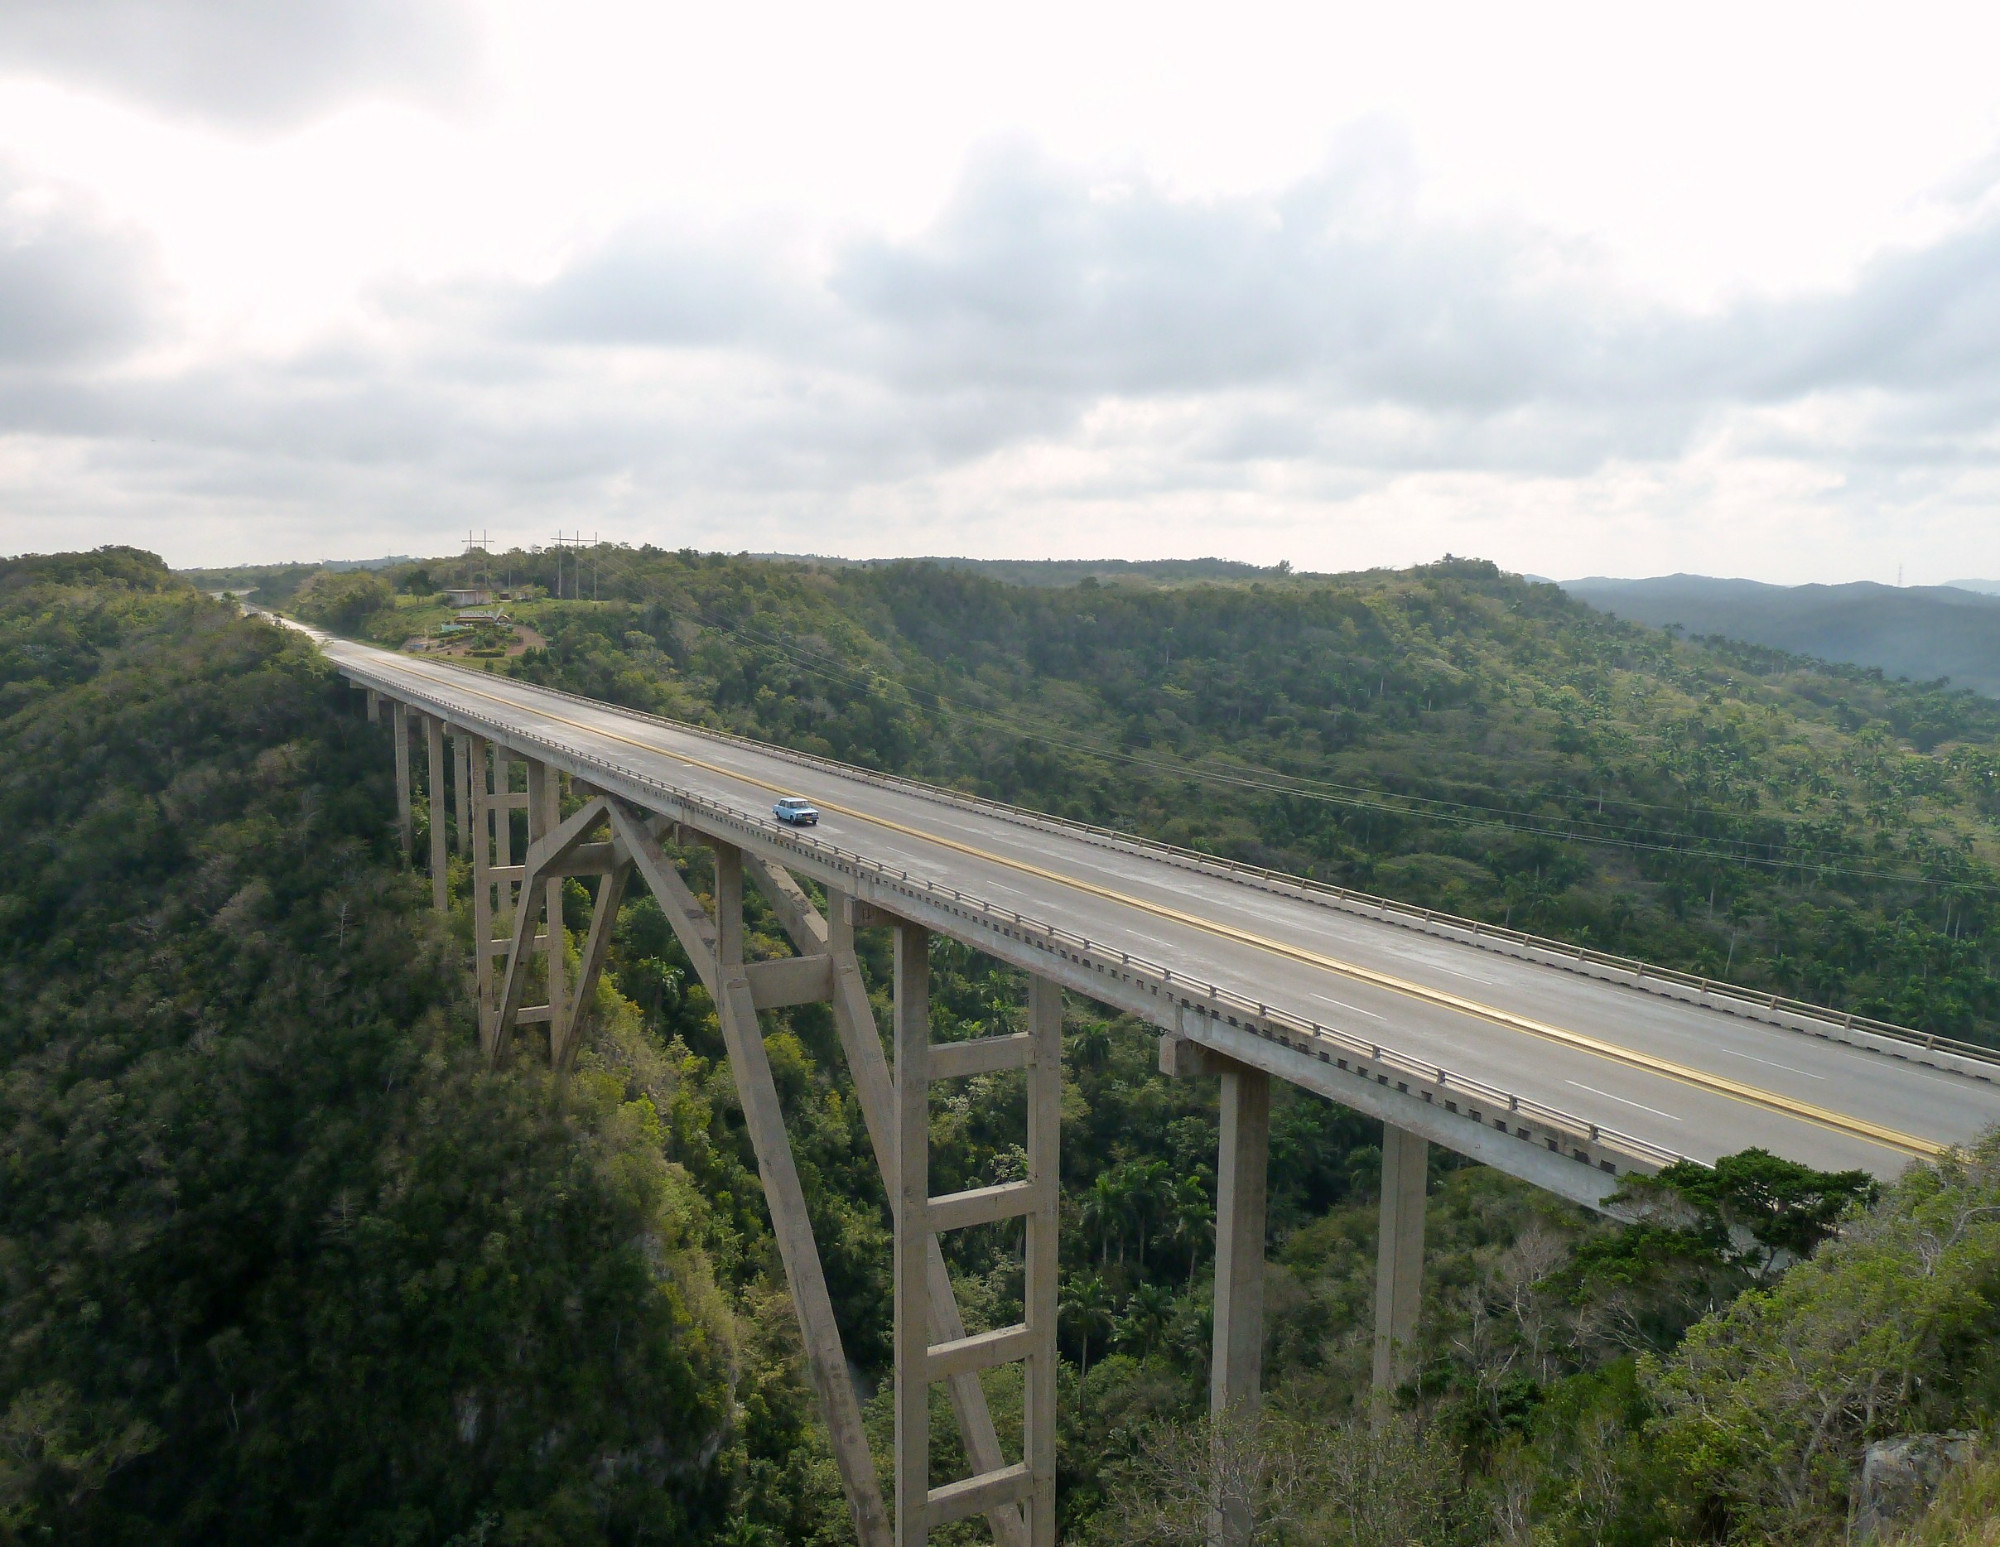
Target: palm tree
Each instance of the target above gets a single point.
(1190, 1219)
(1147, 1313)
(1086, 1305)
(1090, 1045)
(1148, 1185)
(998, 1015)
(1104, 1214)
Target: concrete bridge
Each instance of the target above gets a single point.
(1565, 1067)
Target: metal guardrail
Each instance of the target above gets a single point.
(1717, 994)
(1326, 1043)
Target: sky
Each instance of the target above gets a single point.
(1582, 289)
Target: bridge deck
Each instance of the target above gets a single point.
(1687, 1078)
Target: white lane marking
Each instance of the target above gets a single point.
(1441, 967)
(1768, 1064)
(1346, 1006)
(1622, 1101)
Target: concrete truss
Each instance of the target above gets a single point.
(520, 942)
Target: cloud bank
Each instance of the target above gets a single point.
(1054, 363)
(243, 64)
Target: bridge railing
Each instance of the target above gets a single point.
(1715, 992)
(1327, 1043)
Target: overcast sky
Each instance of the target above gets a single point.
(1577, 288)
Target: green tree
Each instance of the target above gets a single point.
(279, 1258)
(1086, 1307)
(1764, 1405)
(345, 600)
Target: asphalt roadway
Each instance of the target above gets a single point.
(1690, 1079)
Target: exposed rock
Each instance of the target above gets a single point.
(1899, 1477)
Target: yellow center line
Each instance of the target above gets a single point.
(1699, 1079)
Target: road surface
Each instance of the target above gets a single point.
(1683, 1078)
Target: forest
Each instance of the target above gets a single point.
(281, 1261)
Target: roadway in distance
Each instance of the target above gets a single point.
(1708, 1093)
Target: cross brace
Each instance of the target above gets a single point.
(861, 1040)
(1018, 1499)
(919, 1216)
(715, 947)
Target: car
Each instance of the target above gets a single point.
(798, 812)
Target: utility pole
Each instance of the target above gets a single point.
(572, 542)
(480, 544)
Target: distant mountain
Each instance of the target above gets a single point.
(1918, 632)
(1985, 587)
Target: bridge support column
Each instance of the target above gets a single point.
(1045, 1017)
(911, 1188)
(434, 746)
(497, 891)
(826, 1362)
(1399, 1270)
(399, 727)
(715, 946)
(461, 745)
(596, 946)
(919, 1217)
(481, 758)
(874, 1088)
(1241, 1177)
(1241, 1191)
(503, 818)
(1242, 1174)
(544, 816)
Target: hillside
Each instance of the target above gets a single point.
(279, 1262)
(1451, 735)
(1922, 633)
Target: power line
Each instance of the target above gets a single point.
(1456, 812)
(1386, 802)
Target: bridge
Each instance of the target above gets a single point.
(1569, 1068)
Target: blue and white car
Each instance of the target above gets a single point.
(798, 812)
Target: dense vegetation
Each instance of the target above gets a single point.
(1449, 735)
(279, 1262)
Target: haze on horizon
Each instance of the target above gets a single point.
(1586, 293)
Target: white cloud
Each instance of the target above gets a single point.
(246, 64)
(73, 288)
(512, 322)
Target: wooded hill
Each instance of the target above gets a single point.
(1923, 633)
(280, 1263)
(1448, 735)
